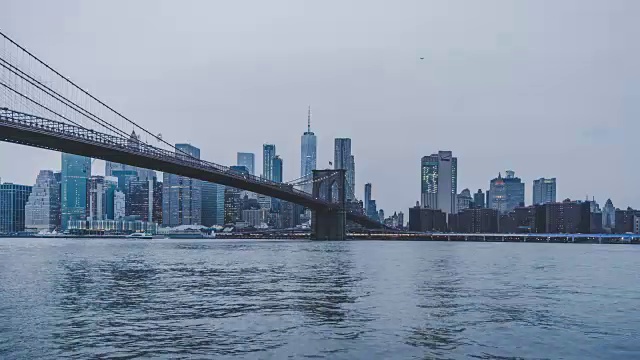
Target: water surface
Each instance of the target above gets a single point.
(117, 298)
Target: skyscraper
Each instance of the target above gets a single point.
(367, 198)
(144, 199)
(342, 159)
(13, 198)
(277, 168)
(111, 185)
(96, 198)
(268, 154)
(464, 200)
(351, 177)
(233, 199)
(505, 194)
(609, 215)
(76, 171)
(478, 199)
(119, 205)
(247, 160)
(42, 211)
(544, 191)
(213, 203)
(439, 181)
(308, 151)
(182, 196)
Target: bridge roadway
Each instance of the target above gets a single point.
(35, 131)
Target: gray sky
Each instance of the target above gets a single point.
(546, 88)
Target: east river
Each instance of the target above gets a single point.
(121, 298)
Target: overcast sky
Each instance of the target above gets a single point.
(546, 88)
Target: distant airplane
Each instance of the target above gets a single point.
(421, 58)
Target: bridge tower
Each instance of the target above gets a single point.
(329, 224)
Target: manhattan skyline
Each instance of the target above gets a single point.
(552, 109)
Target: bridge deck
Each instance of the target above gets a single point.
(31, 130)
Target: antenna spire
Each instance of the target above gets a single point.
(309, 119)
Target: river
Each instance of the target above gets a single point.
(120, 298)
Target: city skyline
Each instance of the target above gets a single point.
(459, 91)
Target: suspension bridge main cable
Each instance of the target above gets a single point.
(26, 77)
(42, 106)
(91, 96)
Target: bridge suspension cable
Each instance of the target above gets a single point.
(59, 99)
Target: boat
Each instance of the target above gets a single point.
(139, 235)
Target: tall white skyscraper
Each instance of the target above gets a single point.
(308, 151)
(439, 181)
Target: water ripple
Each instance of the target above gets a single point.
(201, 299)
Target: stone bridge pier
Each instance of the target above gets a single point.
(329, 224)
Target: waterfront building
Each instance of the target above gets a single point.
(401, 220)
(308, 151)
(567, 217)
(474, 221)
(439, 181)
(290, 214)
(343, 159)
(231, 205)
(212, 204)
(182, 196)
(255, 217)
(464, 200)
(42, 210)
(119, 205)
(624, 222)
(96, 198)
(76, 171)
(248, 160)
(144, 200)
(110, 187)
(596, 223)
(104, 227)
(544, 191)
(427, 220)
(505, 194)
(13, 199)
(478, 199)
(381, 215)
(268, 154)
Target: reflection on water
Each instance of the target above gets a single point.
(115, 298)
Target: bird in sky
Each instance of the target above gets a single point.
(421, 58)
